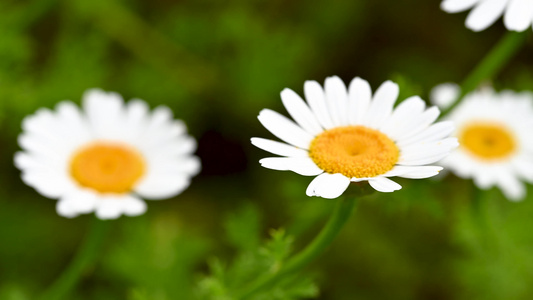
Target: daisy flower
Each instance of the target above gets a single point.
(517, 14)
(496, 145)
(105, 157)
(344, 135)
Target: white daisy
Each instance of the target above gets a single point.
(517, 14)
(494, 130)
(106, 156)
(347, 135)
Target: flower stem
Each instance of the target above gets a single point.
(82, 260)
(485, 218)
(491, 63)
(341, 214)
(479, 206)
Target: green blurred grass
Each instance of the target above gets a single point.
(217, 65)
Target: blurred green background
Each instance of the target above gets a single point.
(216, 64)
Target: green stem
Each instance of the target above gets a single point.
(341, 214)
(83, 259)
(484, 217)
(491, 64)
(479, 205)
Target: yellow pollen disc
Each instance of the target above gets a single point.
(487, 141)
(107, 167)
(354, 151)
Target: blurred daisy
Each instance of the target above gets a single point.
(517, 14)
(105, 157)
(496, 145)
(445, 94)
(347, 135)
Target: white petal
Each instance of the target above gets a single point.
(47, 184)
(300, 112)
(385, 185)
(421, 154)
(524, 168)
(41, 124)
(137, 112)
(417, 124)
(512, 188)
(485, 177)
(414, 172)
(56, 133)
(453, 6)
(113, 206)
(160, 127)
(425, 149)
(329, 186)
(80, 201)
(65, 209)
(434, 132)
(355, 179)
(105, 114)
(337, 100)
(285, 129)
(74, 124)
(279, 148)
(190, 165)
(485, 14)
(161, 115)
(32, 162)
(429, 159)
(44, 149)
(109, 208)
(136, 119)
(173, 148)
(402, 117)
(161, 186)
(300, 165)
(133, 206)
(381, 107)
(24, 161)
(166, 166)
(162, 169)
(460, 163)
(360, 94)
(519, 15)
(164, 134)
(317, 101)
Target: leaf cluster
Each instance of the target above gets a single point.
(253, 260)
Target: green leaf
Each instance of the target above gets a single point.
(252, 261)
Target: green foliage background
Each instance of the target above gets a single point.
(216, 64)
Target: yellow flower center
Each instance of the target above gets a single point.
(487, 141)
(354, 151)
(107, 167)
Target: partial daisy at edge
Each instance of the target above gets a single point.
(348, 134)
(107, 156)
(517, 14)
(494, 131)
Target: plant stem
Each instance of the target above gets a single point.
(82, 260)
(491, 64)
(485, 218)
(340, 215)
(479, 206)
